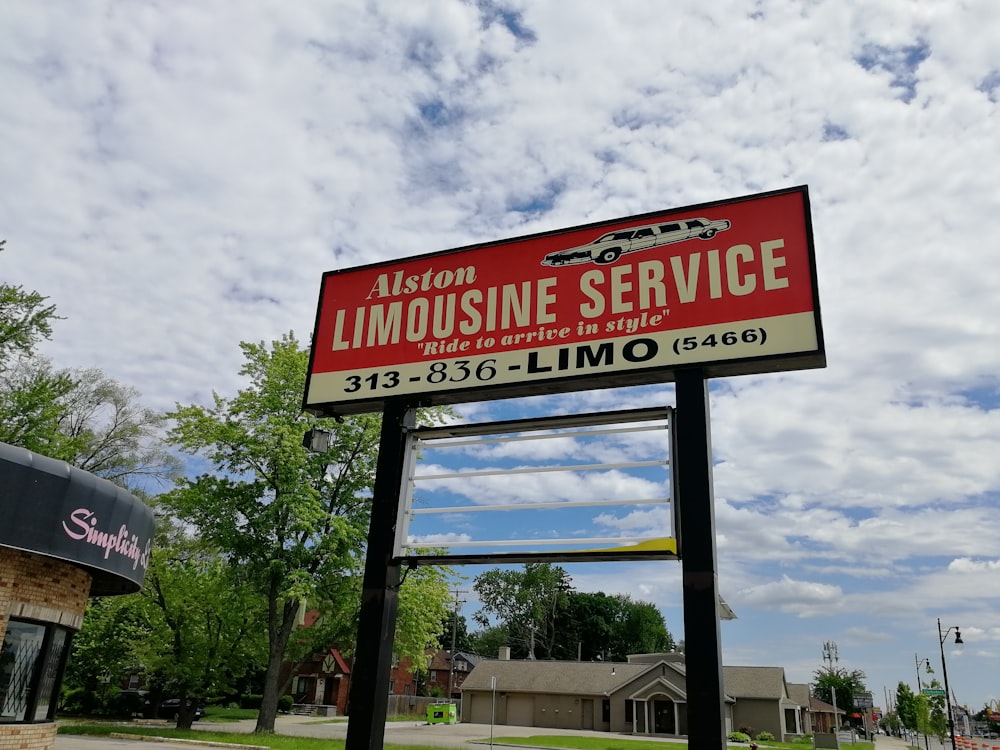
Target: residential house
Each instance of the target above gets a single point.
(324, 681)
(445, 673)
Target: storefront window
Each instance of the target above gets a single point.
(31, 663)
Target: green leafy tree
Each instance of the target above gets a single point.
(208, 623)
(488, 641)
(104, 650)
(25, 320)
(937, 711)
(641, 629)
(526, 603)
(32, 407)
(29, 389)
(294, 522)
(922, 708)
(846, 683)
(598, 626)
(906, 706)
(455, 627)
(79, 416)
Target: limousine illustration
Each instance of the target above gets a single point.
(611, 246)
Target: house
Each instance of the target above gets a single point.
(324, 681)
(825, 716)
(644, 696)
(446, 674)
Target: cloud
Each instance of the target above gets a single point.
(177, 178)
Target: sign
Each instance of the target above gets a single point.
(864, 700)
(56, 510)
(933, 692)
(729, 287)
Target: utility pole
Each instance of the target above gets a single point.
(830, 656)
(454, 630)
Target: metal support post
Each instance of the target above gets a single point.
(695, 498)
(380, 595)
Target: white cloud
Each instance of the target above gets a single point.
(177, 177)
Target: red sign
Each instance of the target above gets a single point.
(729, 287)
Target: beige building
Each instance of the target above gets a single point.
(644, 696)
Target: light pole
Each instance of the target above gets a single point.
(944, 670)
(830, 656)
(920, 687)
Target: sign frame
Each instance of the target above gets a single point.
(748, 305)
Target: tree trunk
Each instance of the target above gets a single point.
(278, 635)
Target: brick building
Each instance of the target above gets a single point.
(66, 535)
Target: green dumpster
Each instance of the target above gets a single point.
(442, 713)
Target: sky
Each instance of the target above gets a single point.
(177, 177)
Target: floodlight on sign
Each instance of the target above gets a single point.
(562, 489)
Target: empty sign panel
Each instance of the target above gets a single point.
(575, 488)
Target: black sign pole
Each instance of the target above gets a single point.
(380, 596)
(695, 498)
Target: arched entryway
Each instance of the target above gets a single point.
(664, 716)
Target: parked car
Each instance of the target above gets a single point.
(611, 246)
(170, 708)
(137, 702)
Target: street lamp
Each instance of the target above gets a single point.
(927, 663)
(944, 669)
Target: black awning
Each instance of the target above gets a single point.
(50, 508)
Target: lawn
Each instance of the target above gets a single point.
(280, 742)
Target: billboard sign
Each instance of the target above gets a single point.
(728, 286)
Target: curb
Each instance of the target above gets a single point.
(202, 743)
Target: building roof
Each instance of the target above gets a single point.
(799, 692)
(822, 707)
(562, 677)
(755, 682)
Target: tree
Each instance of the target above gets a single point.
(906, 706)
(526, 603)
(82, 417)
(455, 624)
(25, 320)
(488, 641)
(207, 621)
(104, 649)
(111, 434)
(846, 683)
(294, 522)
(937, 712)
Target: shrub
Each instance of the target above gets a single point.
(250, 701)
(764, 736)
(738, 737)
(285, 704)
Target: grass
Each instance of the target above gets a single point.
(284, 742)
(274, 741)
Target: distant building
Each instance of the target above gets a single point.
(645, 696)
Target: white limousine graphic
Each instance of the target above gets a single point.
(611, 246)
